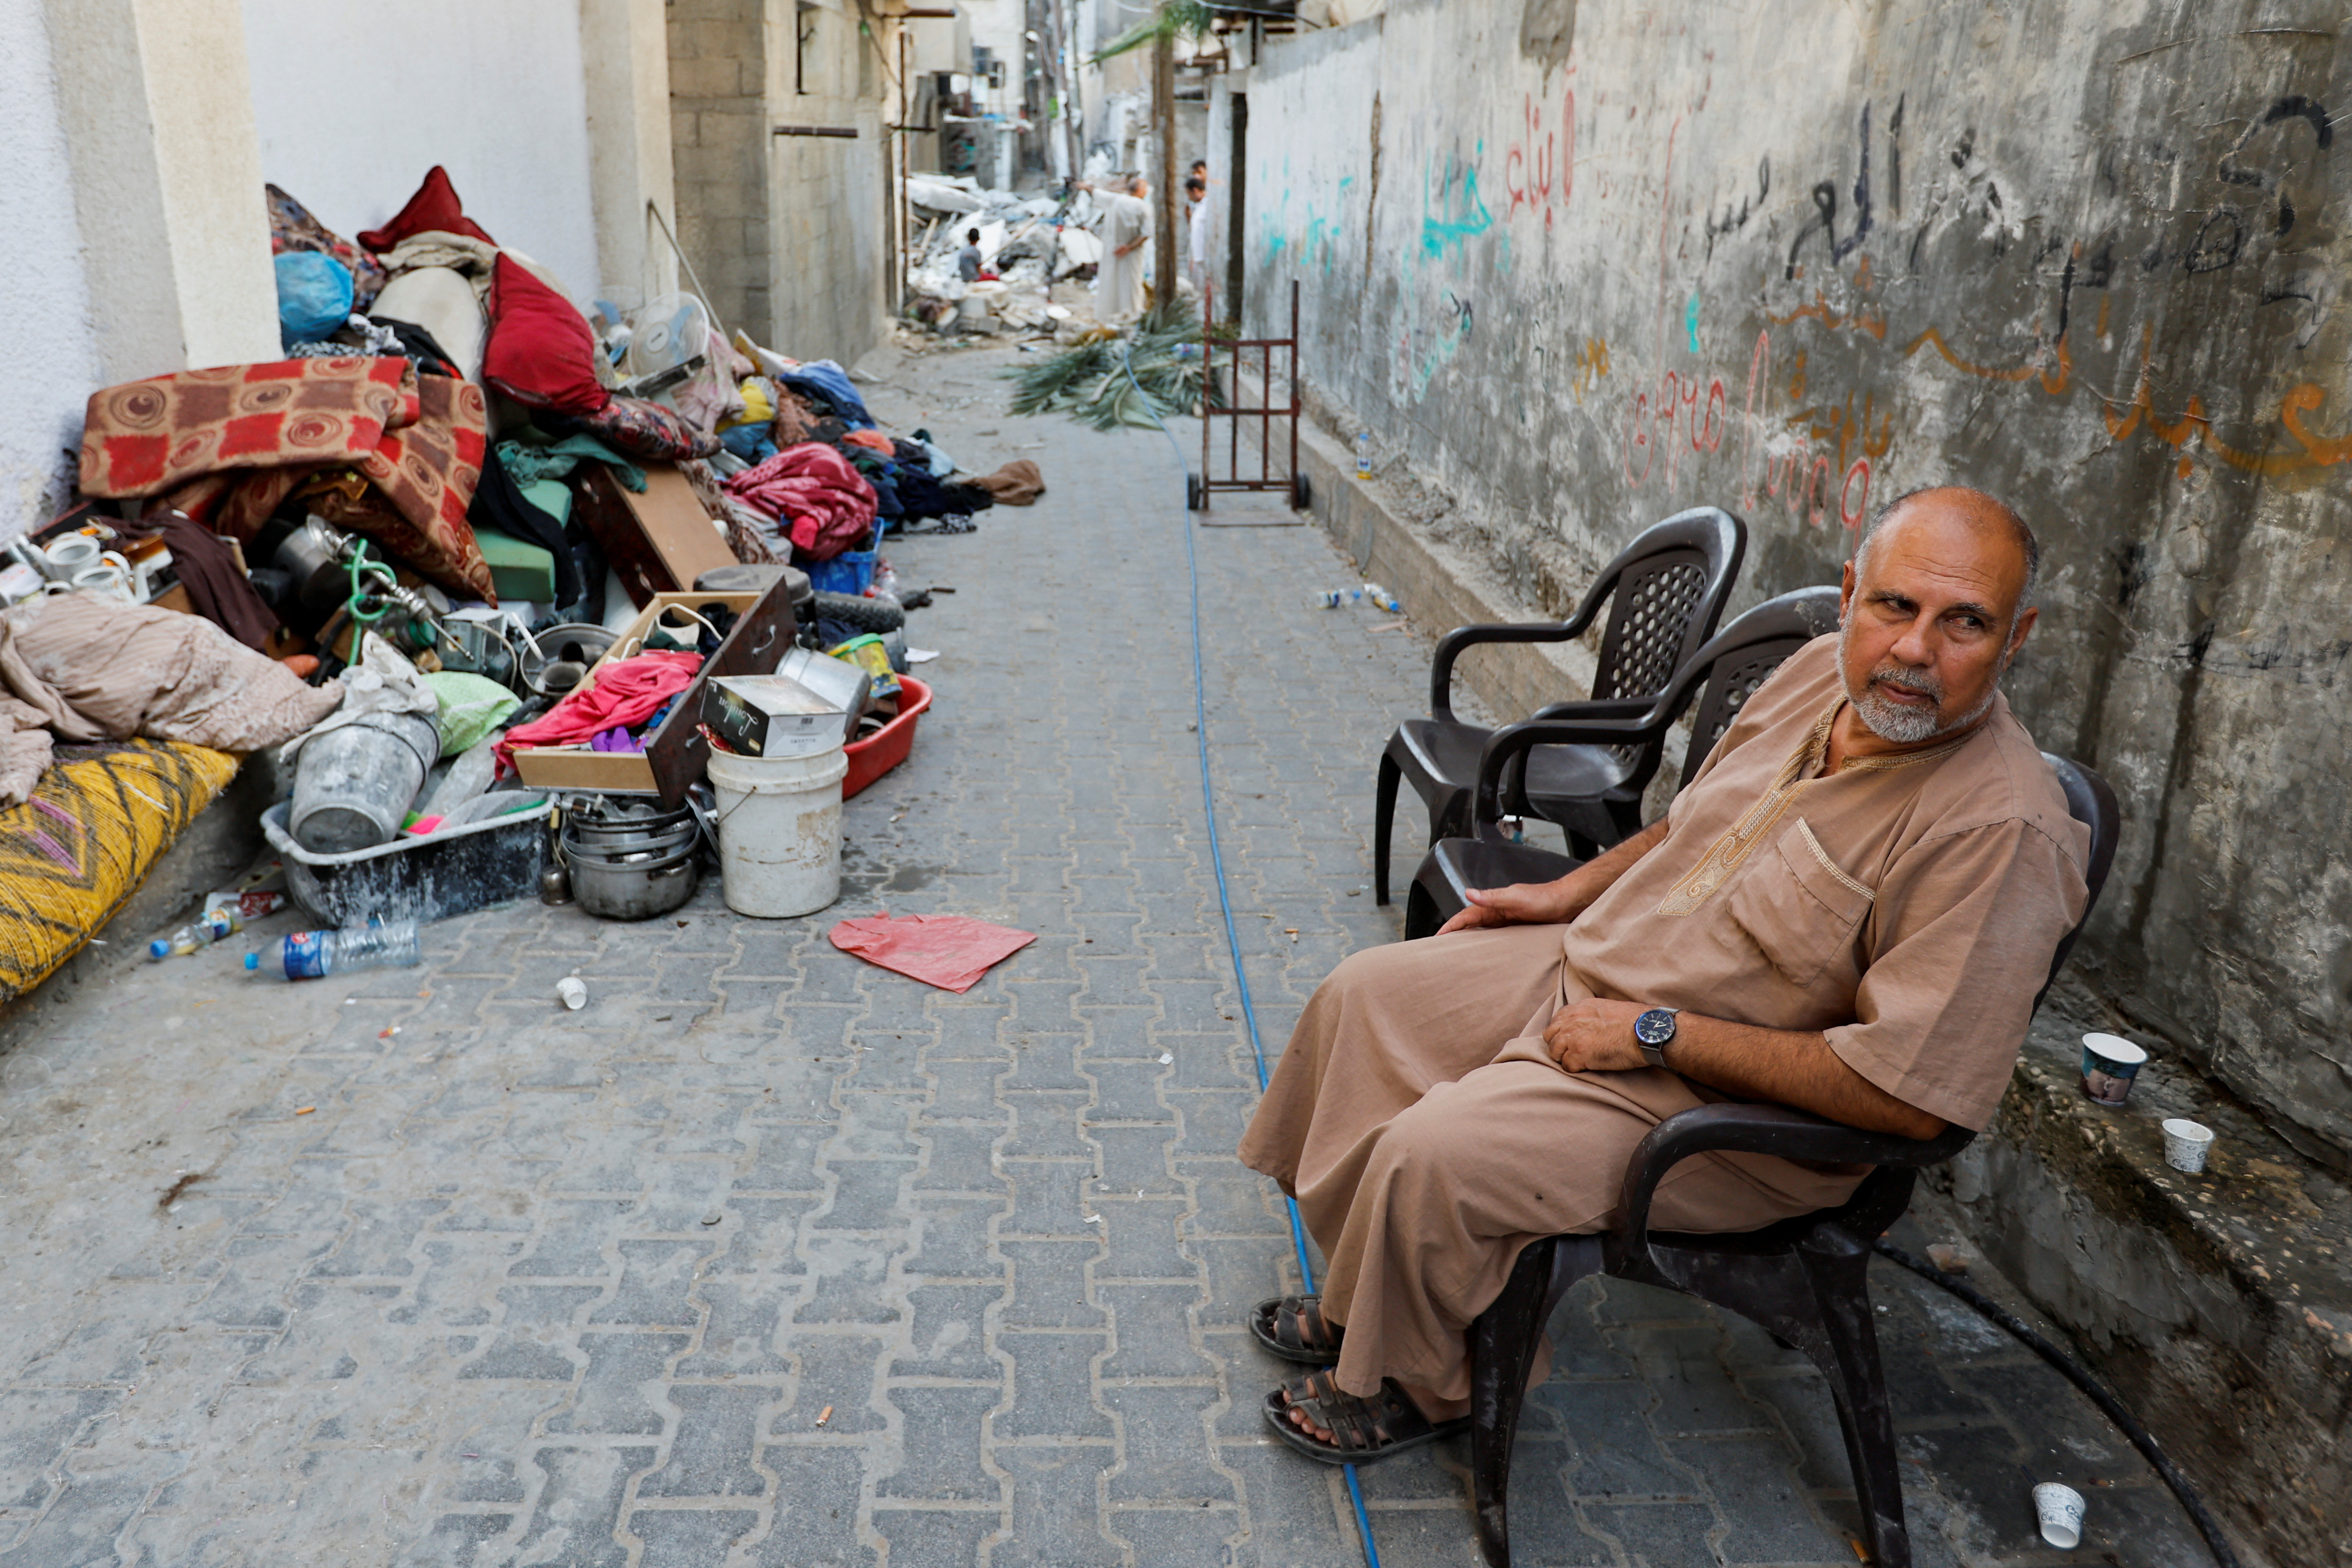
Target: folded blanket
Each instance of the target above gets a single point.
(145, 437)
(826, 507)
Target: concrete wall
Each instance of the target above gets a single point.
(1612, 261)
(355, 101)
(829, 203)
(44, 296)
(789, 233)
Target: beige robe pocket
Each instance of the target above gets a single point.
(1798, 905)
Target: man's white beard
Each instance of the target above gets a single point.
(1892, 721)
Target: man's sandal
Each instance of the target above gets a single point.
(1275, 1324)
(1366, 1430)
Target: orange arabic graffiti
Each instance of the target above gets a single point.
(2313, 451)
(1819, 311)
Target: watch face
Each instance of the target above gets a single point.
(1655, 1028)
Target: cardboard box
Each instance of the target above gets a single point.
(675, 753)
(657, 542)
(771, 715)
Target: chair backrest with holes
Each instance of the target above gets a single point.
(1750, 649)
(1667, 591)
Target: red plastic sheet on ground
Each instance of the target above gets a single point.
(944, 950)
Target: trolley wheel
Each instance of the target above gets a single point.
(1302, 494)
(1193, 494)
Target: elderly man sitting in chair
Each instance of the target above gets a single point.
(1849, 911)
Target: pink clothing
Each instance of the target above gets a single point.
(627, 692)
(826, 506)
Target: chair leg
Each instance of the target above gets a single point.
(1838, 1266)
(1385, 794)
(1422, 915)
(1502, 1349)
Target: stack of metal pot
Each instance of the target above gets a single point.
(629, 858)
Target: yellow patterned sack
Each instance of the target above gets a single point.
(78, 849)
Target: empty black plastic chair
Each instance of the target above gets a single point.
(1664, 592)
(1734, 663)
(1802, 1280)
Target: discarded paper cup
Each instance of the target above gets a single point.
(2060, 1510)
(2186, 1143)
(575, 993)
(2110, 1063)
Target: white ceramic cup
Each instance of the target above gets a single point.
(104, 576)
(2186, 1143)
(72, 552)
(2060, 1510)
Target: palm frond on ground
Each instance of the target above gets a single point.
(1122, 381)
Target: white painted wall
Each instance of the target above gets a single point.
(44, 296)
(356, 100)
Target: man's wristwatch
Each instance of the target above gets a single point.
(1654, 1031)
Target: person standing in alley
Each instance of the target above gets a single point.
(1125, 230)
(1196, 232)
(968, 258)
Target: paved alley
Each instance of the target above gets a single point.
(769, 1259)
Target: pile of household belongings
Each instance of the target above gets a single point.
(453, 490)
(1026, 246)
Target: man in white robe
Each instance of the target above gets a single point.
(1125, 230)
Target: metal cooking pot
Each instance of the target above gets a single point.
(636, 891)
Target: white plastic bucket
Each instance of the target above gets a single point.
(779, 832)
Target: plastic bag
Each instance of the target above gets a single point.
(471, 707)
(949, 951)
(314, 296)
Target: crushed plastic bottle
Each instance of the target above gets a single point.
(1363, 454)
(1335, 598)
(1380, 598)
(314, 955)
(887, 583)
(197, 936)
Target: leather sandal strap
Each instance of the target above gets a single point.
(1316, 1337)
(1357, 1423)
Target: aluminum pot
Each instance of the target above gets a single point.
(634, 890)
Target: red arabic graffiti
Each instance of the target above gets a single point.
(1541, 163)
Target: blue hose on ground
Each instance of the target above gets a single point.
(1225, 902)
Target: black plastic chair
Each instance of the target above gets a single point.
(1734, 662)
(1664, 592)
(1803, 1279)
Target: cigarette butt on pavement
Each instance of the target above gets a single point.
(823, 1416)
(304, 1110)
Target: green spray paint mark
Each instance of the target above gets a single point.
(1455, 214)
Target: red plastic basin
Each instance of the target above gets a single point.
(886, 748)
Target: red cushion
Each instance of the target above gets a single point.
(540, 353)
(435, 208)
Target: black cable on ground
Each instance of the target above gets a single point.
(2080, 1376)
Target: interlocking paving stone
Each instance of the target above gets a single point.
(769, 1259)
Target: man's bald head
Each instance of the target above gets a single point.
(1937, 600)
(1987, 513)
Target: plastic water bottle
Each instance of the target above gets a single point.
(1334, 598)
(1363, 454)
(197, 936)
(315, 955)
(1380, 598)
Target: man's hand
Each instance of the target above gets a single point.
(1595, 1036)
(1521, 904)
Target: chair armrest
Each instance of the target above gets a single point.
(1760, 1130)
(1450, 648)
(1589, 709)
(1515, 739)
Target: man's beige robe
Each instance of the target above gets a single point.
(1905, 906)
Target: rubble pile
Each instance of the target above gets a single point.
(1026, 244)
